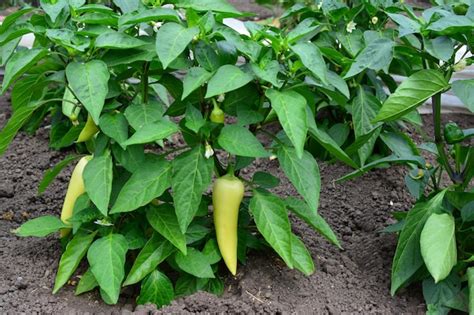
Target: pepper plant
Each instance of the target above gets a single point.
(436, 237)
(157, 99)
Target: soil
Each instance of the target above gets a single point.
(353, 280)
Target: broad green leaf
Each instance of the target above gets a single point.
(211, 251)
(415, 90)
(407, 25)
(316, 221)
(438, 245)
(339, 83)
(145, 16)
(106, 258)
(445, 294)
(440, 47)
(19, 63)
(206, 56)
(194, 120)
(155, 251)
(40, 227)
(151, 132)
(194, 79)
(67, 38)
(470, 281)
(265, 180)
(192, 174)
(51, 174)
(156, 289)
(116, 57)
(267, 71)
(272, 221)
(76, 249)
(227, 78)
(364, 109)
(13, 17)
(98, 176)
(130, 159)
(400, 143)
(89, 81)
(408, 260)
(70, 105)
(187, 284)
(290, 107)
(302, 259)
(128, 5)
(351, 42)
(194, 263)
(452, 24)
(311, 57)
(377, 56)
(87, 283)
(327, 142)
(464, 90)
(53, 8)
(389, 159)
(148, 182)
(117, 40)
(141, 114)
(208, 5)
(163, 220)
(115, 126)
(240, 141)
(7, 50)
(171, 40)
(303, 173)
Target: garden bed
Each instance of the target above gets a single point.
(354, 280)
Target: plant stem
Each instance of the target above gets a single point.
(443, 158)
(146, 68)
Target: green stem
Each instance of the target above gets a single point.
(146, 68)
(220, 170)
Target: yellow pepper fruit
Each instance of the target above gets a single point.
(74, 190)
(89, 130)
(227, 194)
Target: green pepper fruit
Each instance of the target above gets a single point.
(461, 9)
(217, 115)
(452, 133)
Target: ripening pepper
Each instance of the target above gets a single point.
(74, 190)
(452, 133)
(227, 194)
(89, 130)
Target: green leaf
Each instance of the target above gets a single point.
(194, 119)
(470, 281)
(98, 176)
(51, 174)
(272, 222)
(89, 81)
(452, 24)
(40, 227)
(155, 251)
(151, 132)
(194, 263)
(117, 40)
(311, 57)
(408, 260)
(192, 174)
(106, 258)
(7, 50)
(195, 78)
(211, 251)
(302, 259)
(87, 283)
(377, 56)
(163, 220)
(13, 17)
(227, 78)
(327, 142)
(115, 126)
(407, 25)
(150, 15)
(53, 8)
(171, 40)
(239, 140)
(265, 180)
(148, 182)
(141, 114)
(207, 5)
(156, 289)
(291, 111)
(316, 221)
(439, 47)
(464, 90)
(267, 71)
(389, 159)
(76, 249)
(19, 63)
(130, 159)
(303, 174)
(438, 245)
(364, 109)
(415, 90)
(128, 5)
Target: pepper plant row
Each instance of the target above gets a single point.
(161, 98)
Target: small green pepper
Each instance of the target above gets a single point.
(452, 133)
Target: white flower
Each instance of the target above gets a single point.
(221, 98)
(374, 20)
(460, 66)
(351, 26)
(209, 151)
(156, 25)
(320, 4)
(103, 222)
(272, 157)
